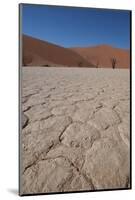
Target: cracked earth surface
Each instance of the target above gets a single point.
(75, 129)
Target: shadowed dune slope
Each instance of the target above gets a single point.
(101, 55)
(41, 53)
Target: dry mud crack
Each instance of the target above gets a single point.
(75, 129)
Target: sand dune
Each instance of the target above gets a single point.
(101, 55)
(41, 53)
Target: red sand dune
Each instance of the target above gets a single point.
(101, 55)
(41, 53)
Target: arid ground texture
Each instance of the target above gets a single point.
(75, 129)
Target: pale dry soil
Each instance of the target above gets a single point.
(75, 129)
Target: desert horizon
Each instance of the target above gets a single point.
(41, 53)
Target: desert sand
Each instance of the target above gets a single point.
(42, 53)
(101, 56)
(76, 129)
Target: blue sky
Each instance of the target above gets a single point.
(77, 27)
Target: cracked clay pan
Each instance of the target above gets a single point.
(75, 106)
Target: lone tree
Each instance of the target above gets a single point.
(113, 62)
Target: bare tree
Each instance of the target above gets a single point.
(113, 62)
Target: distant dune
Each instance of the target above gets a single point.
(101, 55)
(41, 53)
